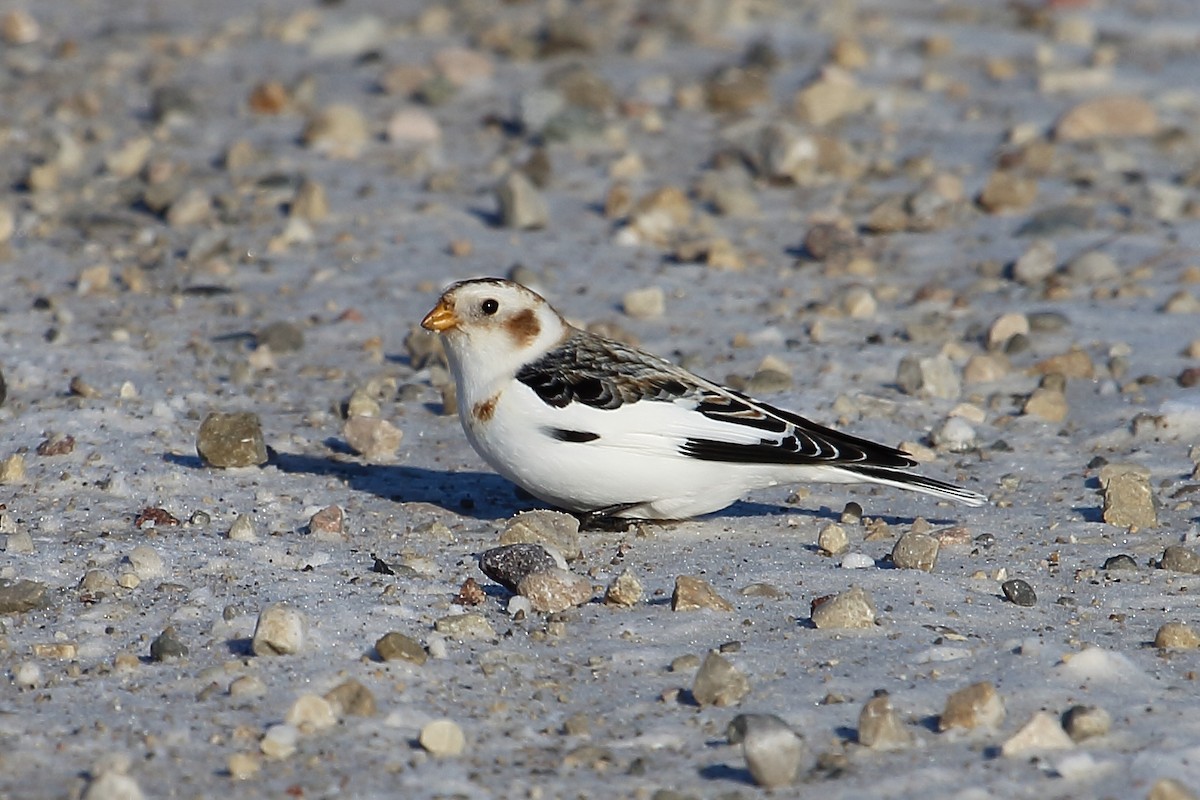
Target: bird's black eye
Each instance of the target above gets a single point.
(489, 306)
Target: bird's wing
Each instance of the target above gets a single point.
(667, 406)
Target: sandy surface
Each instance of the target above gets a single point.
(150, 296)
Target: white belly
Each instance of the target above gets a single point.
(634, 465)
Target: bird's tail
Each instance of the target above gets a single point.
(915, 483)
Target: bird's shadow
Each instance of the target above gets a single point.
(479, 495)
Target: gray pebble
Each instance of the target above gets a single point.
(19, 596)
(1036, 264)
(1047, 321)
(1019, 592)
(852, 608)
(521, 205)
(718, 682)
(774, 753)
(167, 646)
(552, 529)
(916, 551)
(281, 630)
(509, 563)
(935, 376)
(1119, 562)
(880, 727)
(280, 337)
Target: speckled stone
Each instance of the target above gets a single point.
(916, 551)
(231, 440)
(552, 529)
(718, 682)
(693, 593)
(509, 563)
(19, 596)
(555, 589)
(852, 608)
(1176, 636)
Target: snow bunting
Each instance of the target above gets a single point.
(592, 425)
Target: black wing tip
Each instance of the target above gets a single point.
(917, 483)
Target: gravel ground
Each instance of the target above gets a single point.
(970, 228)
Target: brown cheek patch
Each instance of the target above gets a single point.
(523, 327)
(484, 409)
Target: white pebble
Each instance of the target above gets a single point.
(279, 741)
(443, 738)
(146, 562)
(518, 603)
(27, 675)
(645, 303)
(955, 435)
(857, 561)
(281, 630)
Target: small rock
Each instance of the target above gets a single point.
(465, 626)
(774, 753)
(19, 596)
(12, 469)
(190, 208)
(1122, 561)
(280, 337)
(243, 766)
(832, 540)
(463, 67)
(337, 131)
(128, 159)
(733, 89)
(880, 727)
(1115, 116)
(1170, 789)
(916, 551)
(718, 682)
(695, 593)
(1034, 266)
(1049, 405)
(859, 303)
(833, 95)
(279, 741)
(1042, 732)
(1086, 722)
(443, 738)
(242, 529)
(1181, 302)
(521, 205)
(852, 608)
(281, 630)
(395, 646)
(19, 27)
(625, 590)
(658, 215)
(413, 126)
(351, 698)
(1019, 592)
(311, 713)
(955, 435)
(1006, 191)
(231, 440)
(929, 377)
(311, 203)
(110, 782)
(647, 303)
(167, 646)
(985, 368)
(247, 686)
(508, 564)
(1093, 267)
(373, 438)
(1005, 327)
(553, 529)
(553, 590)
(1075, 363)
(974, 706)
(328, 524)
(27, 675)
(1178, 558)
(1177, 636)
(1128, 498)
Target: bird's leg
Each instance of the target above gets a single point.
(605, 519)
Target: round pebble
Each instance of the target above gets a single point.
(1019, 592)
(443, 738)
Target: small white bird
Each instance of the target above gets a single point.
(592, 425)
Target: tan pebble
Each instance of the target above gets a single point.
(986, 368)
(311, 713)
(832, 540)
(719, 682)
(462, 66)
(833, 95)
(279, 741)
(1006, 191)
(1005, 327)
(692, 594)
(337, 131)
(269, 97)
(553, 590)
(128, 159)
(852, 608)
(1041, 733)
(880, 727)
(471, 625)
(977, 705)
(351, 698)
(1129, 501)
(916, 551)
(1107, 117)
(625, 590)
(849, 53)
(64, 651)
(1049, 405)
(311, 202)
(1171, 789)
(1182, 302)
(19, 27)
(243, 766)
(645, 303)
(328, 524)
(1000, 69)
(443, 738)
(281, 630)
(1086, 722)
(374, 439)
(413, 126)
(859, 303)
(1177, 636)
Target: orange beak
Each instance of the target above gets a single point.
(441, 318)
